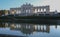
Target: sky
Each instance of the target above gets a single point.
(7, 4)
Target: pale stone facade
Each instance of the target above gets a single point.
(28, 10)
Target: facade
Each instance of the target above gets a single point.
(29, 10)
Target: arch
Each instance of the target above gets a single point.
(44, 10)
(41, 10)
(38, 10)
(35, 10)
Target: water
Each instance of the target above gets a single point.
(31, 30)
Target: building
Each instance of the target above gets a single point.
(30, 10)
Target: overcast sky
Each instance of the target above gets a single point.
(7, 4)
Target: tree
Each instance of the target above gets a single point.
(3, 12)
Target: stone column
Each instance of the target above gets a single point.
(37, 9)
(40, 9)
(43, 9)
(47, 9)
(33, 10)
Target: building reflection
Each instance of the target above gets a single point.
(56, 26)
(27, 28)
(30, 28)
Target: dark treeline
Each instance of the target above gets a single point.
(30, 17)
(33, 21)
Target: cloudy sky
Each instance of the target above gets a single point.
(7, 4)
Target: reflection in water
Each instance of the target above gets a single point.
(27, 28)
(30, 29)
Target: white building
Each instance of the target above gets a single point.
(28, 10)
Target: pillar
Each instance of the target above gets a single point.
(40, 9)
(47, 9)
(37, 9)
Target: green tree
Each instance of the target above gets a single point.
(2, 12)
